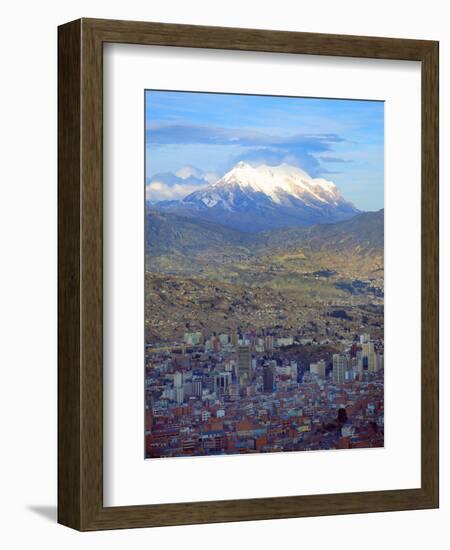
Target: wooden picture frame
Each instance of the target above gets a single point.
(80, 272)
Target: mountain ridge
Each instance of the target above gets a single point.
(168, 232)
(328, 263)
(261, 198)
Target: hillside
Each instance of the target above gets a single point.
(169, 233)
(363, 234)
(326, 263)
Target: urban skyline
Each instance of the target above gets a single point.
(247, 393)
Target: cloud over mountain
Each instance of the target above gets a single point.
(256, 147)
(170, 186)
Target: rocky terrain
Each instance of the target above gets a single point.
(201, 274)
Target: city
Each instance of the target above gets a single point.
(215, 394)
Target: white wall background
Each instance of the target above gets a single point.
(28, 272)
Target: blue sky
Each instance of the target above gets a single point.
(340, 140)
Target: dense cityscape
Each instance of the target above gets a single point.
(213, 394)
(264, 279)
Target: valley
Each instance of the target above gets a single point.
(204, 275)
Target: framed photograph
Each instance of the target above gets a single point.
(248, 274)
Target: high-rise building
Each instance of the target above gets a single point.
(380, 361)
(269, 342)
(293, 368)
(339, 368)
(222, 382)
(187, 388)
(234, 392)
(234, 339)
(179, 395)
(268, 378)
(244, 362)
(349, 374)
(178, 379)
(372, 363)
(197, 387)
(367, 349)
(318, 368)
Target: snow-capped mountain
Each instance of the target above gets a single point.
(281, 185)
(266, 197)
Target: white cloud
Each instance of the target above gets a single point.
(187, 171)
(160, 191)
(210, 177)
(179, 184)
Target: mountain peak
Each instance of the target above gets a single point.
(280, 183)
(255, 198)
